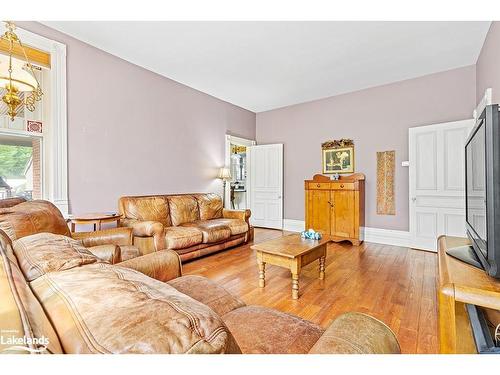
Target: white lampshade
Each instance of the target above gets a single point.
(22, 79)
(224, 173)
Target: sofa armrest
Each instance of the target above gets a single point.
(114, 236)
(109, 253)
(237, 214)
(163, 265)
(147, 229)
(357, 333)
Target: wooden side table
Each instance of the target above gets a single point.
(460, 284)
(96, 218)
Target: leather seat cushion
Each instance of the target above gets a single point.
(207, 292)
(103, 308)
(261, 330)
(237, 226)
(182, 237)
(212, 231)
(46, 252)
(129, 252)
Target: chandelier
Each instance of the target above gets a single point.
(17, 76)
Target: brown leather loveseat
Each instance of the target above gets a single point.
(191, 224)
(58, 297)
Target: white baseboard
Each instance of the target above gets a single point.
(386, 236)
(376, 235)
(292, 225)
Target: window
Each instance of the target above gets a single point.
(20, 167)
(21, 151)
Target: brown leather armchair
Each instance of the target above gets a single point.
(19, 218)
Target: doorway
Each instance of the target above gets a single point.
(236, 192)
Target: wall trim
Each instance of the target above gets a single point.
(375, 235)
(292, 225)
(386, 236)
(55, 158)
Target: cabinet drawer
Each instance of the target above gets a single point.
(319, 185)
(342, 185)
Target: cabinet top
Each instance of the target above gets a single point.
(349, 178)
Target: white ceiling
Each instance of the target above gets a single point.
(265, 65)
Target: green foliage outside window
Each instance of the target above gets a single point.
(13, 160)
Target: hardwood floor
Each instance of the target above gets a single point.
(394, 284)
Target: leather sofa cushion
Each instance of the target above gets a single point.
(32, 217)
(212, 231)
(207, 292)
(151, 208)
(183, 209)
(357, 333)
(9, 202)
(129, 252)
(182, 237)
(103, 308)
(210, 206)
(21, 315)
(237, 226)
(46, 252)
(261, 330)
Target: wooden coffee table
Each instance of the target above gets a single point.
(291, 252)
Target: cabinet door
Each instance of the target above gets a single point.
(343, 211)
(318, 210)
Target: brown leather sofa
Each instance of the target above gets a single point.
(58, 297)
(191, 224)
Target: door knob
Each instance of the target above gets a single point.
(413, 199)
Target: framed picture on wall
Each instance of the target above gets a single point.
(338, 156)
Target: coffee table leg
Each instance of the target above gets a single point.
(322, 268)
(262, 274)
(295, 286)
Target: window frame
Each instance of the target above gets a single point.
(54, 138)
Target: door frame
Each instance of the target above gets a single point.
(412, 174)
(231, 139)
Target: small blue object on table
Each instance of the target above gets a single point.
(310, 235)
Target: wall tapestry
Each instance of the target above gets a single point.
(386, 162)
(338, 156)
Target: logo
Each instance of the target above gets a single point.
(14, 342)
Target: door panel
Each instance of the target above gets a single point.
(265, 163)
(319, 210)
(343, 215)
(437, 175)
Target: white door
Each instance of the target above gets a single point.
(265, 163)
(437, 182)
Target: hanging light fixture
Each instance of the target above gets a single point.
(17, 76)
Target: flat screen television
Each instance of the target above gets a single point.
(482, 190)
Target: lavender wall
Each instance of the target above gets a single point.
(377, 119)
(488, 64)
(131, 131)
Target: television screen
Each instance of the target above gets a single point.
(475, 152)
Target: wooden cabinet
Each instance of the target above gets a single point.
(336, 208)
